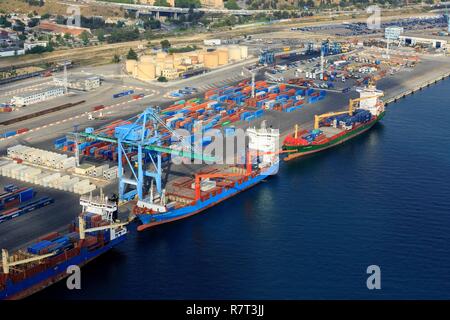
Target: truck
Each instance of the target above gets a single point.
(212, 42)
(122, 94)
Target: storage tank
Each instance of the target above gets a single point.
(194, 59)
(234, 53)
(146, 58)
(201, 57)
(244, 52)
(223, 56)
(130, 65)
(211, 60)
(146, 71)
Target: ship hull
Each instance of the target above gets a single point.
(300, 151)
(46, 278)
(152, 220)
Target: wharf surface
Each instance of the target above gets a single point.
(17, 232)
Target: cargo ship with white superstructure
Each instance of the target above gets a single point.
(45, 261)
(186, 196)
(334, 128)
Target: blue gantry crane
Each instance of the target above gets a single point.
(267, 57)
(144, 136)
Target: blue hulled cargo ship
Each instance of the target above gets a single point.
(185, 196)
(39, 265)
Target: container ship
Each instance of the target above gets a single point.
(334, 128)
(45, 262)
(186, 196)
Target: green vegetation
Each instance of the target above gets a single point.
(162, 79)
(187, 3)
(150, 23)
(85, 36)
(33, 22)
(37, 3)
(18, 26)
(121, 1)
(183, 49)
(116, 58)
(165, 44)
(40, 49)
(161, 3)
(232, 5)
(92, 22)
(132, 55)
(4, 22)
(123, 34)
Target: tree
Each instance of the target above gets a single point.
(84, 36)
(232, 5)
(162, 79)
(165, 44)
(4, 21)
(33, 22)
(116, 58)
(60, 19)
(101, 35)
(161, 3)
(187, 3)
(132, 55)
(40, 49)
(45, 16)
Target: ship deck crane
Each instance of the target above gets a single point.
(350, 110)
(7, 264)
(83, 230)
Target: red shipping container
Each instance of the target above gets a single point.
(22, 130)
(50, 236)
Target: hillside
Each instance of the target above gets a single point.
(56, 7)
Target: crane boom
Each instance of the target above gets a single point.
(83, 230)
(7, 264)
(351, 103)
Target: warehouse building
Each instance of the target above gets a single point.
(35, 97)
(80, 83)
(436, 43)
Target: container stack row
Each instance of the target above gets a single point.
(48, 179)
(218, 109)
(40, 157)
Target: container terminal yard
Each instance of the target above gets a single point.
(54, 150)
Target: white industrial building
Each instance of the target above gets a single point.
(212, 42)
(35, 97)
(11, 52)
(28, 45)
(393, 33)
(81, 83)
(435, 43)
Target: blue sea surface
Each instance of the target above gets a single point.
(310, 232)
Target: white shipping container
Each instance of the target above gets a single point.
(39, 178)
(83, 169)
(98, 171)
(67, 163)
